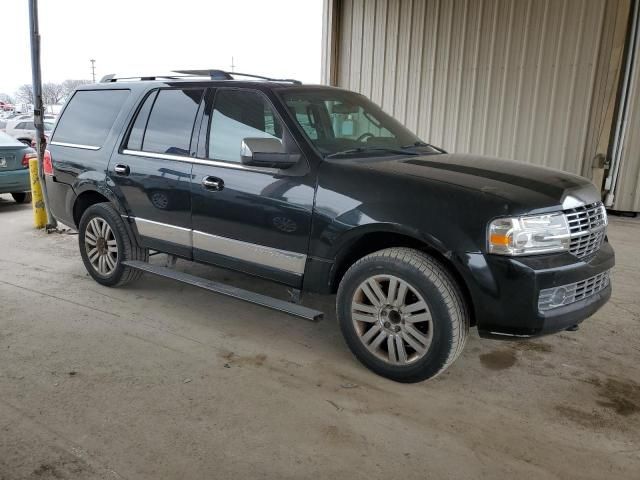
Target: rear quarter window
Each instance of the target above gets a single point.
(88, 118)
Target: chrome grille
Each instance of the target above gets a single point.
(566, 294)
(587, 227)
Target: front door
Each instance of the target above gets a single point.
(152, 174)
(252, 219)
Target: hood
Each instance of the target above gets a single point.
(525, 187)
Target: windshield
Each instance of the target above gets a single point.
(345, 123)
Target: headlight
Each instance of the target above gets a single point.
(529, 235)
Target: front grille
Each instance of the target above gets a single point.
(587, 227)
(566, 294)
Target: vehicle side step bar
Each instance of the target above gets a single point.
(228, 290)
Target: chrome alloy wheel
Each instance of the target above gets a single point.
(392, 319)
(101, 246)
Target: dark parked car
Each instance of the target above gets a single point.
(318, 189)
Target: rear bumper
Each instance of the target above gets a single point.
(61, 200)
(505, 292)
(14, 181)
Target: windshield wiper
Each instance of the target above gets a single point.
(424, 144)
(398, 150)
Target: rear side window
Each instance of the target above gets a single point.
(171, 122)
(88, 118)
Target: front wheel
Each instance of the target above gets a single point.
(402, 314)
(105, 243)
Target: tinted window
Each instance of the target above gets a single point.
(88, 118)
(25, 126)
(339, 121)
(171, 122)
(238, 115)
(137, 130)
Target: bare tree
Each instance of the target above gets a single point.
(52, 93)
(6, 98)
(70, 85)
(24, 93)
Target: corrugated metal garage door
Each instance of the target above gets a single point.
(530, 80)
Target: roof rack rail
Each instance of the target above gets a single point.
(112, 77)
(223, 75)
(212, 74)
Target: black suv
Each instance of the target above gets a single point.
(318, 189)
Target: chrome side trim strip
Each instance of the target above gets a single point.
(163, 231)
(284, 260)
(292, 262)
(200, 161)
(75, 145)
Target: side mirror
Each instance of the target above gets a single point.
(266, 152)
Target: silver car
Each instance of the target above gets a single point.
(25, 130)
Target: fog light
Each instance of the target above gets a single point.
(558, 297)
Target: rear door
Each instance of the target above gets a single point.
(152, 173)
(252, 219)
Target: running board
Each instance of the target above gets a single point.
(228, 290)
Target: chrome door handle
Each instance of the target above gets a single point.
(213, 183)
(121, 169)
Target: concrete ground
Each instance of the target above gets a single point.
(159, 380)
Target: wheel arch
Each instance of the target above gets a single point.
(369, 240)
(90, 195)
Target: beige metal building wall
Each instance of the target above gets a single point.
(532, 80)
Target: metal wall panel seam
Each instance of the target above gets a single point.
(488, 87)
(537, 83)
(460, 70)
(522, 61)
(554, 83)
(504, 78)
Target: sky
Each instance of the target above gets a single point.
(280, 38)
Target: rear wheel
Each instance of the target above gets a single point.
(22, 197)
(402, 314)
(105, 243)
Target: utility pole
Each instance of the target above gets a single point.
(93, 69)
(233, 65)
(37, 100)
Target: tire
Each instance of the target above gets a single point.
(113, 242)
(22, 197)
(430, 325)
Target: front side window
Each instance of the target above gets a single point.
(240, 114)
(340, 122)
(171, 122)
(88, 118)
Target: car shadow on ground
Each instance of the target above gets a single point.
(7, 204)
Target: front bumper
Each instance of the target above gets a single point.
(505, 291)
(15, 181)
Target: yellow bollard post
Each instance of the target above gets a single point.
(37, 200)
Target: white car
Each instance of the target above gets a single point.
(25, 130)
